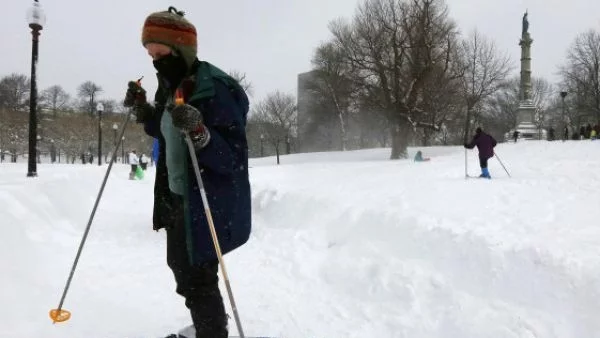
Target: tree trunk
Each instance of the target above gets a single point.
(400, 134)
(343, 133)
(361, 142)
(467, 126)
(425, 142)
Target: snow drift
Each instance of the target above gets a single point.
(344, 245)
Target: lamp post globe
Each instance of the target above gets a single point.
(115, 128)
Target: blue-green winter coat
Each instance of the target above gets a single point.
(223, 163)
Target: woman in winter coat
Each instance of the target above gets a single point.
(485, 143)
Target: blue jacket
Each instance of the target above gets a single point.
(223, 164)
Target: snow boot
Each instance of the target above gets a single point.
(190, 332)
(485, 173)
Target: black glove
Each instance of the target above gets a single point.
(135, 98)
(190, 121)
(136, 95)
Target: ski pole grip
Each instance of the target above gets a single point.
(179, 97)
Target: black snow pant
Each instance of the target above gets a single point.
(483, 162)
(198, 284)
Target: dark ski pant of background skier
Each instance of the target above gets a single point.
(199, 285)
(483, 162)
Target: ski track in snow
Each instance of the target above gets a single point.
(343, 245)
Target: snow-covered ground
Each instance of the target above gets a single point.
(344, 245)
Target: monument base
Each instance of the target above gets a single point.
(525, 123)
(529, 131)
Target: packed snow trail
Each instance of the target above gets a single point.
(344, 245)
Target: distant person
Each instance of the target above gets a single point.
(516, 135)
(588, 131)
(551, 134)
(485, 145)
(419, 157)
(144, 161)
(133, 161)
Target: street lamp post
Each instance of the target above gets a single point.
(564, 122)
(100, 108)
(36, 20)
(123, 149)
(37, 150)
(115, 128)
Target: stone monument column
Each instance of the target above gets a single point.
(527, 110)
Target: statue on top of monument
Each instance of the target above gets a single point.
(525, 25)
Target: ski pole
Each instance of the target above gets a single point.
(466, 170)
(58, 314)
(502, 164)
(213, 233)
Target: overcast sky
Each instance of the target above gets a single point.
(271, 40)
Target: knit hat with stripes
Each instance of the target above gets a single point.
(170, 28)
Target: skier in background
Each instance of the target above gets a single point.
(485, 143)
(133, 160)
(144, 161)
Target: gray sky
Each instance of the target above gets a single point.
(271, 40)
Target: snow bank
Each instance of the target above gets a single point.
(344, 245)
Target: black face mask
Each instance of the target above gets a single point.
(172, 67)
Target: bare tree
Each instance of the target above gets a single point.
(13, 131)
(543, 101)
(485, 71)
(582, 72)
(13, 91)
(502, 107)
(442, 103)
(276, 117)
(333, 85)
(242, 79)
(89, 91)
(393, 47)
(55, 98)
